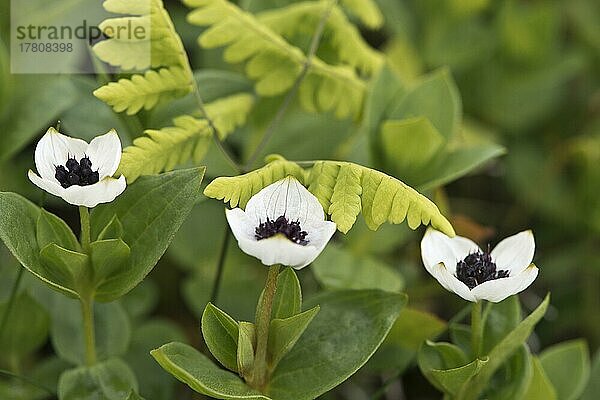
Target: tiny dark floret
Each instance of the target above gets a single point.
(76, 173)
(291, 230)
(477, 268)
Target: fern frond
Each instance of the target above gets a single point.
(344, 190)
(237, 190)
(160, 47)
(342, 35)
(163, 149)
(145, 91)
(157, 45)
(274, 63)
(365, 10)
(230, 112)
(189, 138)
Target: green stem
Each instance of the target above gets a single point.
(476, 328)
(84, 216)
(263, 321)
(220, 266)
(87, 311)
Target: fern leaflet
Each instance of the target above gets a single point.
(237, 190)
(159, 48)
(344, 190)
(366, 10)
(189, 138)
(145, 91)
(274, 63)
(345, 39)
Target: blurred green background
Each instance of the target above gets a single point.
(523, 82)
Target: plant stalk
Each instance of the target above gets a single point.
(220, 266)
(84, 217)
(476, 328)
(87, 312)
(259, 376)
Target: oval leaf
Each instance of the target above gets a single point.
(198, 372)
(151, 211)
(343, 336)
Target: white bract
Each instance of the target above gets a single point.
(462, 267)
(282, 224)
(55, 150)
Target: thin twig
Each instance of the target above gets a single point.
(314, 45)
(220, 266)
(215, 132)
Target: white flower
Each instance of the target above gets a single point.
(282, 224)
(462, 267)
(79, 172)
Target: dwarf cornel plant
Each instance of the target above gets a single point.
(294, 172)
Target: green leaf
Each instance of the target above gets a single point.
(145, 91)
(51, 229)
(343, 189)
(344, 204)
(499, 319)
(112, 230)
(198, 372)
(274, 63)
(339, 33)
(451, 380)
(221, 333)
(502, 351)
(410, 144)
(284, 333)
(366, 10)
(540, 387)
(108, 380)
(245, 351)
(567, 366)
(18, 231)
(341, 338)
(237, 190)
(319, 361)
(455, 163)
(160, 45)
(337, 268)
(189, 138)
(383, 198)
(385, 91)
(440, 356)
(151, 211)
(436, 98)
(288, 297)
(593, 387)
(25, 327)
(513, 378)
(108, 257)
(67, 268)
(445, 366)
(111, 323)
(164, 51)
